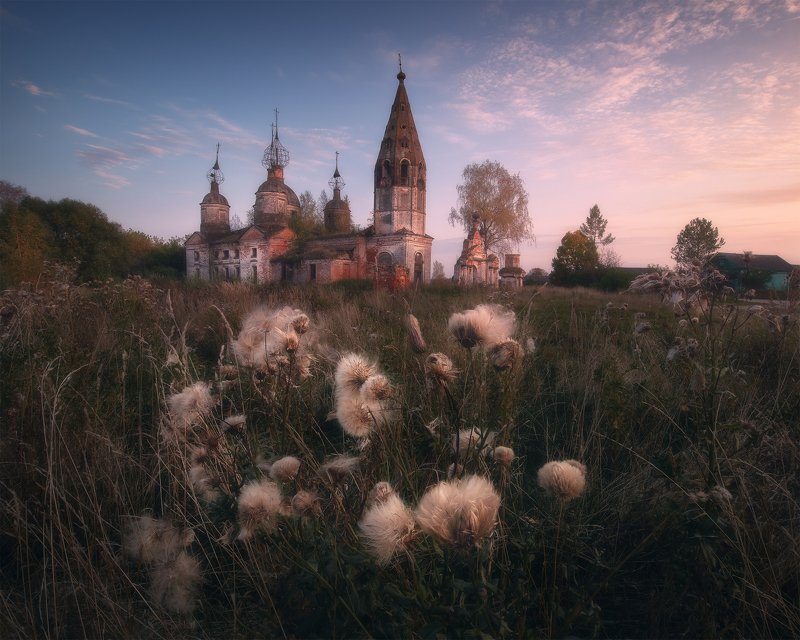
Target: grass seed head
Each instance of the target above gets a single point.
(415, 338)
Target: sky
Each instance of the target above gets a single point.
(658, 112)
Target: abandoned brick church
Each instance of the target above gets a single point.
(394, 250)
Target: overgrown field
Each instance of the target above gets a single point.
(208, 461)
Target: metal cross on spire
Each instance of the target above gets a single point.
(215, 175)
(336, 181)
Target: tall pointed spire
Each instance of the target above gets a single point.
(400, 169)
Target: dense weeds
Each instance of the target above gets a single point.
(130, 510)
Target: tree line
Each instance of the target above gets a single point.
(35, 232)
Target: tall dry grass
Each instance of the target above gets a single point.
(688, 431)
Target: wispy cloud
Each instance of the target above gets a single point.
(106, 100)
(620, 80)
(103, 161)
(80, 131)
(31, 88)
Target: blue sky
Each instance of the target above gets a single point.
(658, 112)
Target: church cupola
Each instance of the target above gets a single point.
(214, 209)
(275, 202)
(337, 211)
(400, 170)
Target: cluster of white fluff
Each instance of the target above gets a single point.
(565, 479)
(484, 326)
(269, 337)
(363, 396)
(174, 573)
(261, 503)
(460, 512)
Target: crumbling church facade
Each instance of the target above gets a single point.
(394, 251)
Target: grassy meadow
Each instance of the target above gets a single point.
(146, 490)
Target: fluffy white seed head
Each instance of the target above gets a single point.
(338, 469)
(285, 469)
(202, 483)
(259, 506)
(235, 423)
(305, 503)
(506, 354)
(353, 415)
(467, 441)
(189, 407)
(504, 456)
(152, 540)
(486, 325)
(352, 371)
(376, 388)
(460, 512)
(564, 479)
(267, 334)
(439, 369)
(386, 528)
(174, 584)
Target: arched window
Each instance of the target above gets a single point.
(419, 264)
(404, 173)
(385, 260)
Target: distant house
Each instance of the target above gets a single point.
(754, 271)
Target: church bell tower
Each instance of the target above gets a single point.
(400, 171)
